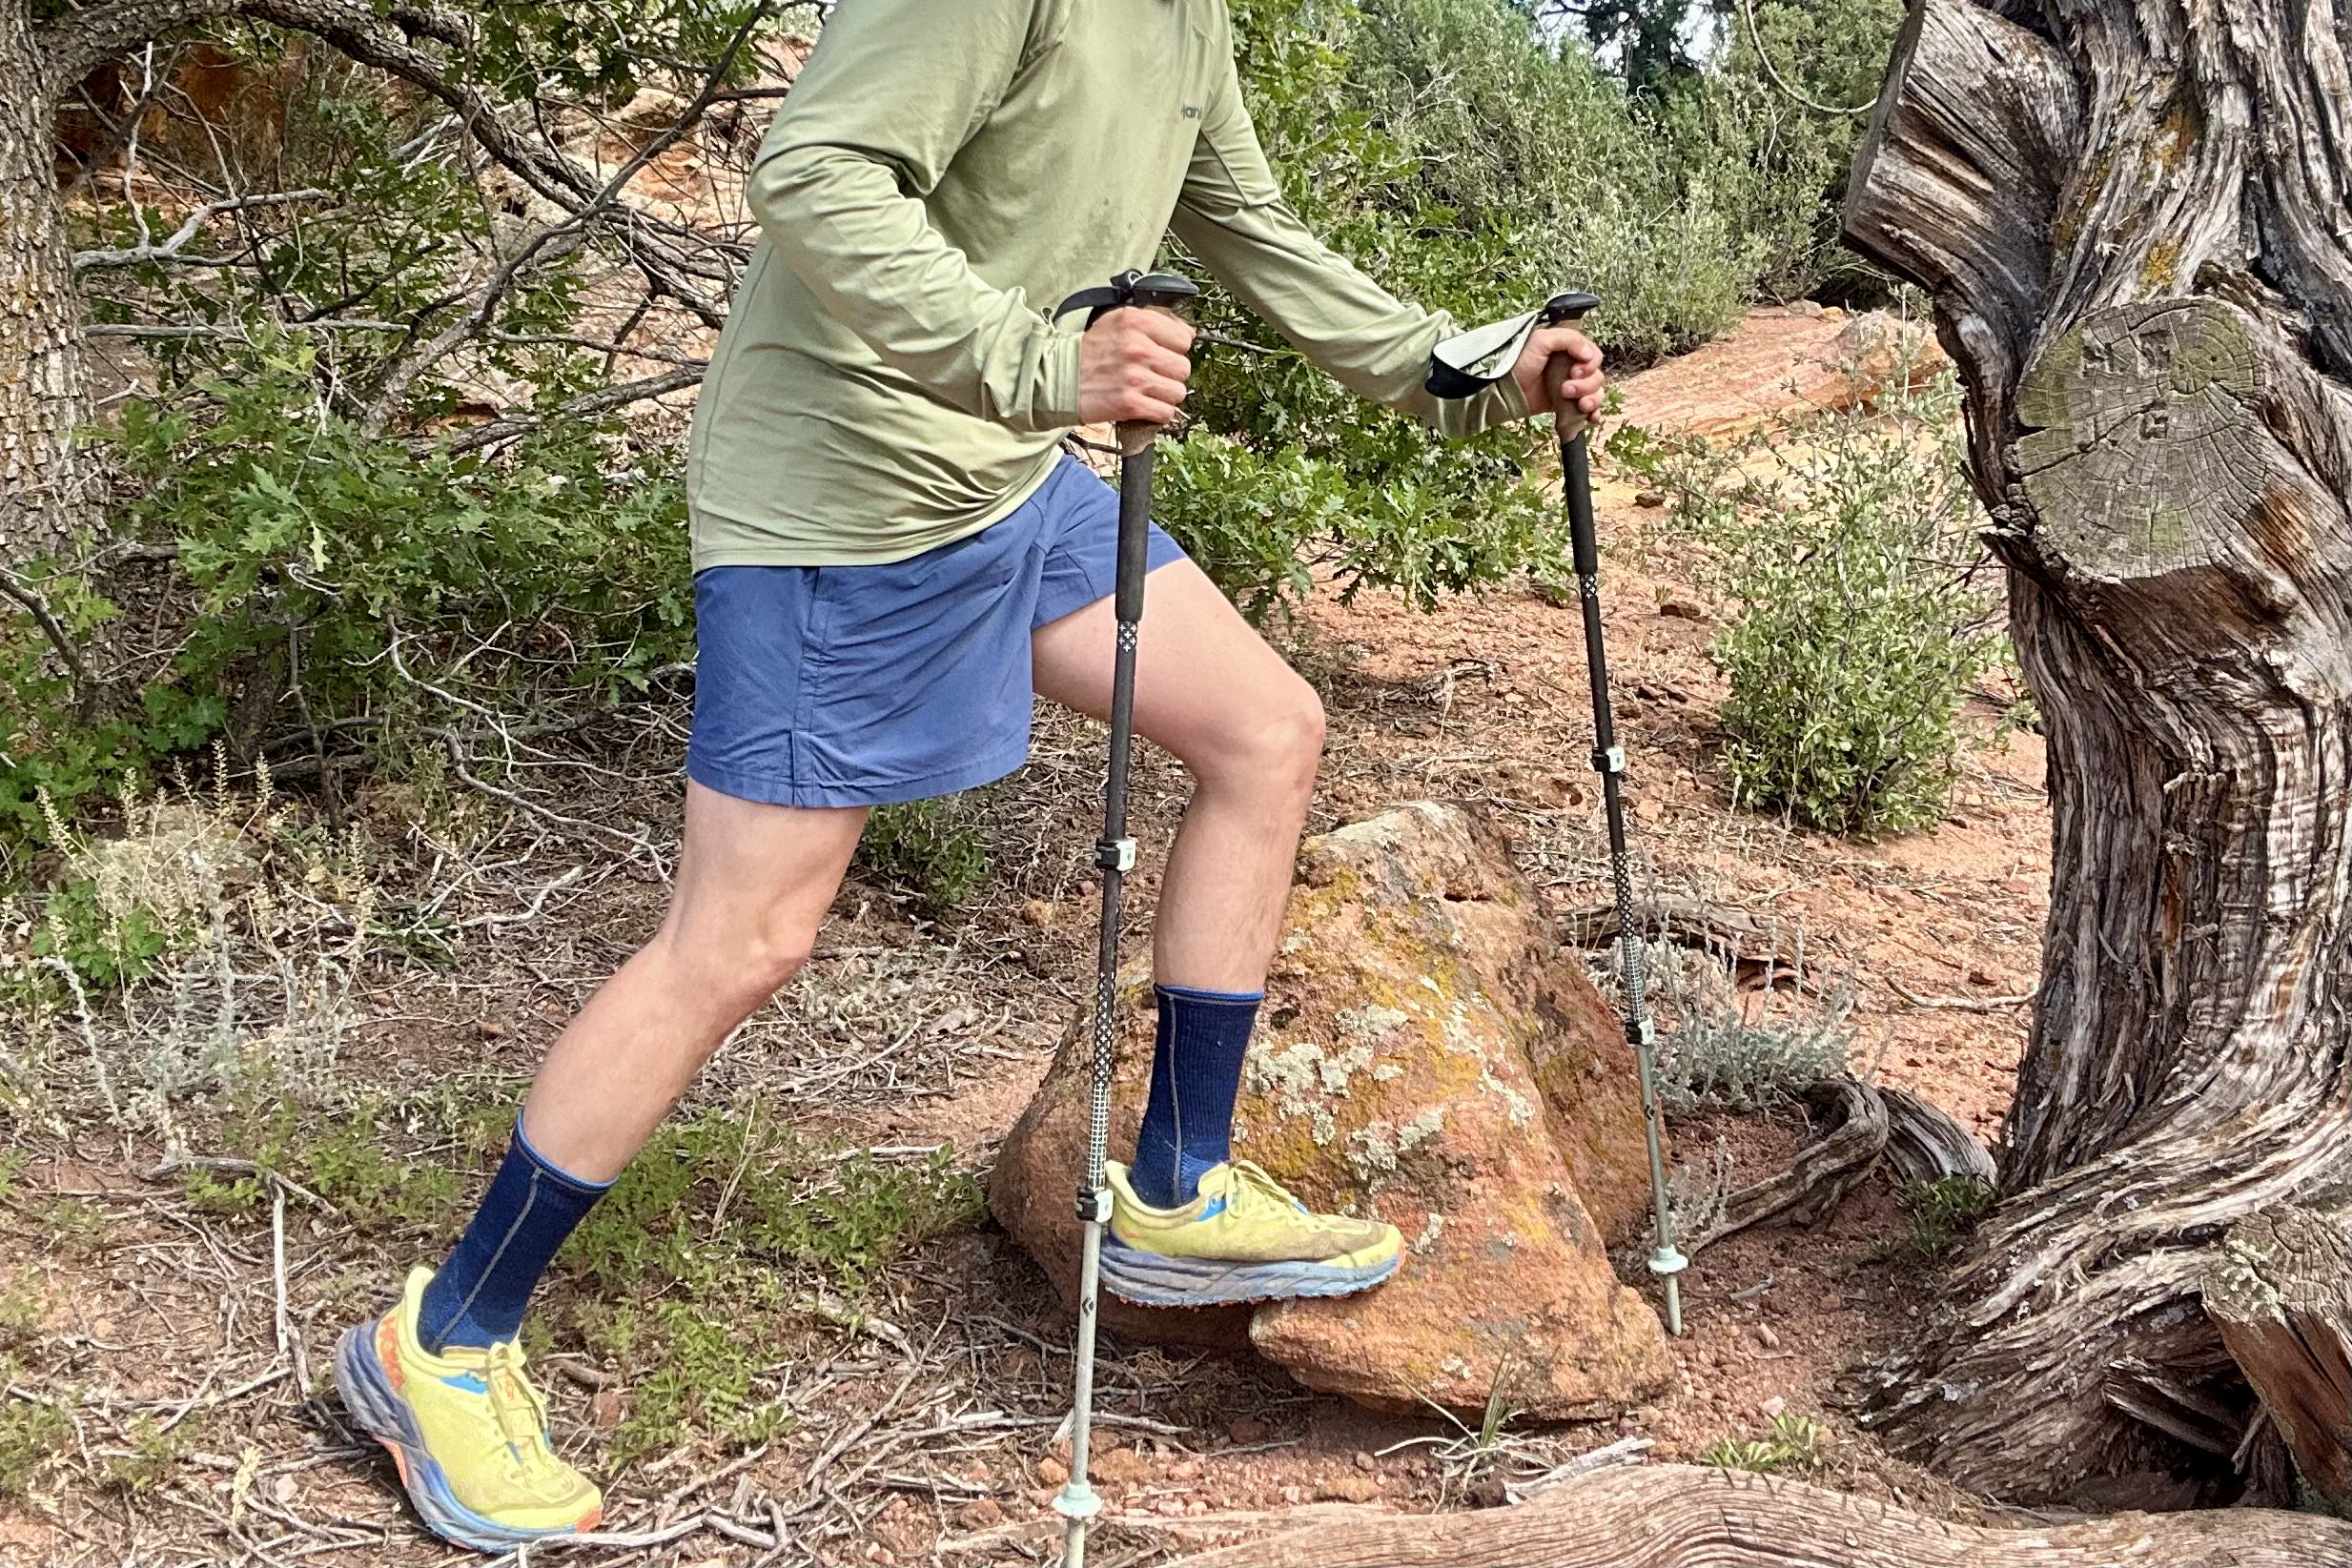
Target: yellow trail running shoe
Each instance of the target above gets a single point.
(468, 1430)
(1241, 1238)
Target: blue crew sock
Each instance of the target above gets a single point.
(480, 1295)
(1196, 1073)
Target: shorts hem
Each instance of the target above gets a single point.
(770, 789)
(1162, 551)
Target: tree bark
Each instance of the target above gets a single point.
(1685, 1517)
(45, 486)
(2280, 1292)
(2133, 218)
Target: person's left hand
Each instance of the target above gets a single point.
(1560, 370)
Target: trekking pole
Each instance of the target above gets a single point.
(1115, 853)
(1608, 760)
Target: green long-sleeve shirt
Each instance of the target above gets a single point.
(942, 174)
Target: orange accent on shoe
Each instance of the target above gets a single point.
(388, 1352)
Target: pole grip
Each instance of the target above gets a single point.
(1576, 474)
(1134, 533)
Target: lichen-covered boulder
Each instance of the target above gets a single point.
(1426, 1054)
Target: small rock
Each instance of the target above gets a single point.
(490, 1028)
(1833, 1303)
(1248, 1429)
(1808, 307)
(1648, 497)
(1680, 609)
(1293, 1495)
(1052, 1471)
(1762, 1333)
(1172, 1508)
(980, 1514)
(1366, 1461)
(2016, 885)
(1980, 975)
(605, 1408)
(102, 1329)
(283, 1489)
(1831, 313)
(1122, 1465)
(1348, 1489)
(1036, 911)
(1184, 1470)
(1776, 1405)
(1649, 812)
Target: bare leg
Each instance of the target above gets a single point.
(753, 882)
(1250, 731)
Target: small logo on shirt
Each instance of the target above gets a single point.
(1192, 112)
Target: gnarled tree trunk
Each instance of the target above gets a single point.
(43, 486)
(2133, 217)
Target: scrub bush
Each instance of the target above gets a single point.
(932, 851)
(1866, 607)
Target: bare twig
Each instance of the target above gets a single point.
(170, 250)
(1957, 1004)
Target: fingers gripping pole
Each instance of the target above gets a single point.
(1608, 760)
(1114, 856)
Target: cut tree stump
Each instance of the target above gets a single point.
(2280, 1292)
(1683, 1515)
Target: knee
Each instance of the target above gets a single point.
(1275, 748)
(737, 973)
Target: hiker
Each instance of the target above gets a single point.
(891, 554)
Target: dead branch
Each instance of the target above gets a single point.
(1824, 1170)
(171, 249)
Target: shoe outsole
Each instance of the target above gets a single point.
(370, 1397)
(1150, 1279)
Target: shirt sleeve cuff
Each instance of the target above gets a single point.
(1055, 407)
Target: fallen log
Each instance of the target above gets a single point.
(1683, 1515)
(2280, 1292)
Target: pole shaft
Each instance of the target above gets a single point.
(1127, 607)
(1584, 543)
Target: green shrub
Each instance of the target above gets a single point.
(318, 569)
(933, 850)
(32, 1434)
(1866, 608)
(1938, 1213)
(1795, 1442)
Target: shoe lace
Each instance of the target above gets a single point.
(521, 1410)
(1255, 1189)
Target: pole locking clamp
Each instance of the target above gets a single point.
(1115, 854)
(1608, 760)
(1093, 1206)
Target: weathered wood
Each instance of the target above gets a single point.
(1958, 182)
(2133, 218)
(1824, 1170)
(1685, 1517)
(44, 492)
(2280, 1292)
(1925, 1144)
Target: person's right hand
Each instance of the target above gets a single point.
(1132, 366)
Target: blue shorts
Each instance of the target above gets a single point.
(861, 685)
